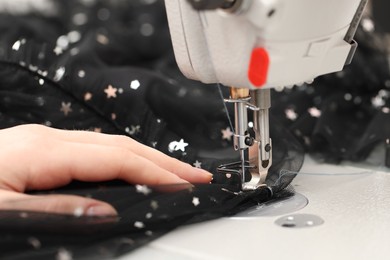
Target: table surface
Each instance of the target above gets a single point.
(352, 200)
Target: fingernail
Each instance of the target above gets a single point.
(100, 210)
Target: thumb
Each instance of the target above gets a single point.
(57, 204)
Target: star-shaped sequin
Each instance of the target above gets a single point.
(111, 91)
(195, 201)
(290, 114)
(135, 129)
(177, 146)
(143, 189)
(197, 164)
(227, 134)
(66, 108)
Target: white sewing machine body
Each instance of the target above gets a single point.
(264, 43)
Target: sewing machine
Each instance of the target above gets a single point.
(256, 45)
(344, 212)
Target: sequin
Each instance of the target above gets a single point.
(74, 36)
(102, 39)
(36, 244)
(81, 73)
(197, 164)
(60, 72)
(63, 42)
(111, 91)
(64, 254)
(32, 68)
(135, 84)
(177, 146)
(80, 19)
(66, 108)
(227, 134)
(368, 25)
(314, 112)
(143, 189)
(139, 224)
(17, 44)
(88, 96)
(58, 50)
(74, 51)
(135, 129)
(290, 114)
(348, 96)
(154, 205)
(182, 92)
(40, 101)
(147, 29)
(195, 201)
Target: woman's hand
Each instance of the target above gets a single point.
(35, 157)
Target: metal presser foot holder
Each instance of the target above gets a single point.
(253, 172)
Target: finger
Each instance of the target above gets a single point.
(183, 170)
(90, 162)
(59, 204)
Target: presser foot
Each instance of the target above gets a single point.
(247, 181)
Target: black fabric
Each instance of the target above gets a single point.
(32, 235)
(108, 66)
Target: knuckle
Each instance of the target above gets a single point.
(126, 161)
(34, 128)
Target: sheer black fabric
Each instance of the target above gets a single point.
(108, 66)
